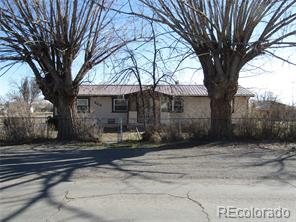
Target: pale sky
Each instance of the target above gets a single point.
(281, 80)
(273, 75)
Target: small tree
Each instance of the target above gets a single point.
(131, 69)
(225, 35)
(26, 93)
(51, 36)
(150, 63)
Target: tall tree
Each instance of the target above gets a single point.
(225, 35)
(53, 36)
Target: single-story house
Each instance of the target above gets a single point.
(113, 103)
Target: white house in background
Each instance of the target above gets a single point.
(113, 103)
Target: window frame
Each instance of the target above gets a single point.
(178, 99)
(170, 102)
(114, 106)
(167, 102)
(88, 104)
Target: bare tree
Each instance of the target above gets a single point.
(132, 69)
(26, 92)
(267, 96)
(151, 63)
(225, 35)
(51, 36)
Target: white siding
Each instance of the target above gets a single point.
(101, 107)
(194, 107)
(241, 106)
(199, 107)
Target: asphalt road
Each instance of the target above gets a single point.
(209, 182)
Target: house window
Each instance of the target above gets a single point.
(178, 105)
(83, 105)
(165, 104)
(120, 105)
(175, 104)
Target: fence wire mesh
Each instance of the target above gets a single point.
(19, 129)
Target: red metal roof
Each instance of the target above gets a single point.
(173, 90)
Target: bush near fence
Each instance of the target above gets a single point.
(88, 129)
(264, 128)
(26, 129)
(23, 129)
(17, 129)
(242, 129)
(177, 129)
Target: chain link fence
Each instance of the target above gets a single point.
(23, 129)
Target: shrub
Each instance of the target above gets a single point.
(23, 129)
(19, 126)
(290, 133)
(89, 130)
(244, 128)
(163, 133)
(171, 133)
(265, 128)
(197, 128)
(152, 134)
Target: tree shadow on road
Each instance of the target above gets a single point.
(279, 164)
(52, 166)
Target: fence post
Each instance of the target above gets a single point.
(138, 133)
(120, 136)
(47, 129)
(179, 127)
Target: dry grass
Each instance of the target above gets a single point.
(115, 137)
(264, 129)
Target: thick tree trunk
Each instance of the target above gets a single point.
(62, 93)
(221, 71)
(220, 118)
(221, 93)
(66, 114)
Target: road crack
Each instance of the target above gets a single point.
(59, 207)
(66, 197)
(203, 209)
(187, 197)
(69, 198)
